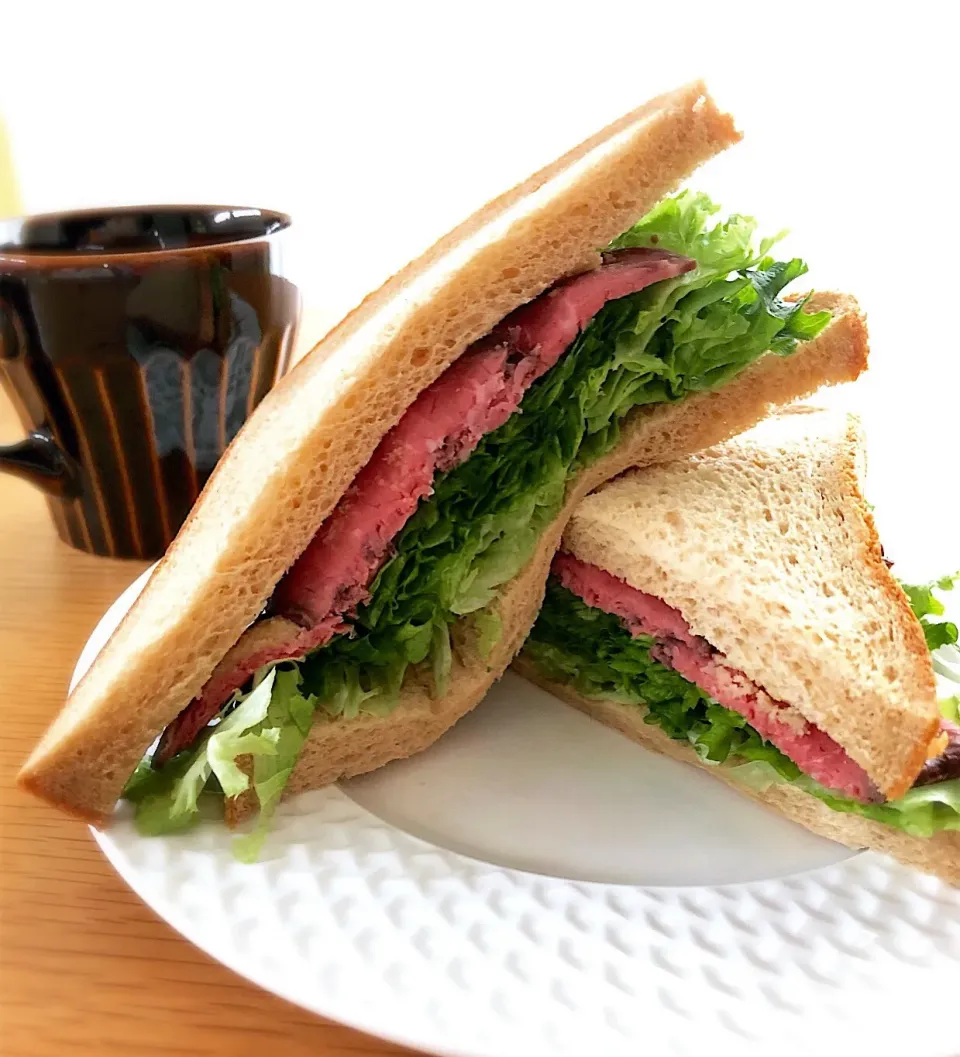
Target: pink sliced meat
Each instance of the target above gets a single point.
(473, 397)
(641, 614)
(677, 647)
(810, 748)
(332, 575)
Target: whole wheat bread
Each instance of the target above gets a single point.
(306, 442)
(768, 549)
(938, 855)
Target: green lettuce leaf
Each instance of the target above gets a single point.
(168, 799)
(287, 724)
(488, 627)
(926, 605)
(920, 812)
(950, 708)
(269, 725)
(482, 523)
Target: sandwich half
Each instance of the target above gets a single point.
(734, 610)
(373, 548)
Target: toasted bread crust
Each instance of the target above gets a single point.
(938, 855)
(342, 749)
(908, 755)
(308, 439)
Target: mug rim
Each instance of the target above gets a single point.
(25, 257)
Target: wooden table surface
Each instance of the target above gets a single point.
(85, 967)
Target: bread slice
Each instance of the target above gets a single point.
(308, 439)
(767, 548)
(306, 442)
(341, 749)
(938, 855)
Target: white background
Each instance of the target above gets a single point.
(380, 125)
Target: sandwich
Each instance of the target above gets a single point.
(734, 610)
(372, 549)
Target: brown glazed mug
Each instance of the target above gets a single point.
(134, 343)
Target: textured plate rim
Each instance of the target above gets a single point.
(887, 877)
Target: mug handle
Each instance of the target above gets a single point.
(40, 461)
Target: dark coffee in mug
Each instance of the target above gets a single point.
(134, 343)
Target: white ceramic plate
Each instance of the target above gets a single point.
(537, 885)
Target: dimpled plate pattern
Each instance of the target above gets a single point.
(356, 920)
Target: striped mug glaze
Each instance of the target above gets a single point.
(134, 343)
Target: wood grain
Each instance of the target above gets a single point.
(85, 967)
